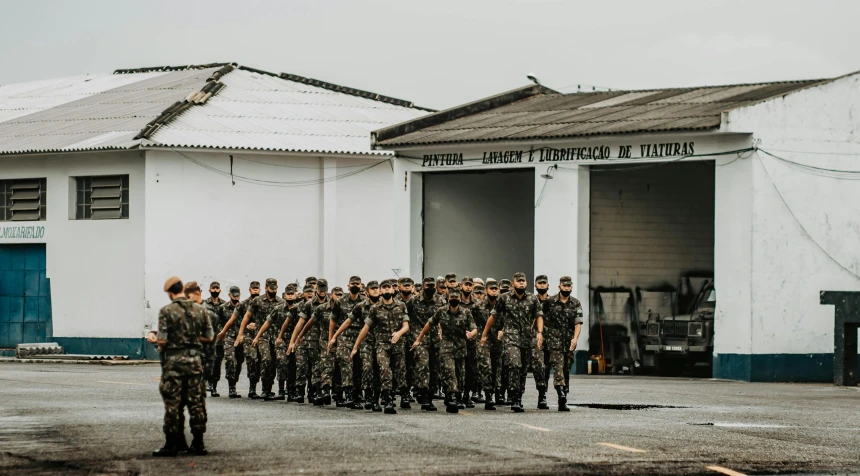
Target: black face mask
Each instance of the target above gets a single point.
(454, 302)
(542, 291)
(564, 293)
(215, 294)
(271, 294)
(504, 291)
(354, 289)
(373, 298)
(387, 296)
(290, 301)
(255, 294)
(234, 301)
(466, 293)
(429, 291)
(519, 291)
(406, 294)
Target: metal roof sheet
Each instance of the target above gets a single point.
(550, 115)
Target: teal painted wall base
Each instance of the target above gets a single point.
(131, 347)
(775, 367)
(580, 362)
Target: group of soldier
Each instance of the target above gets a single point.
(363, 347)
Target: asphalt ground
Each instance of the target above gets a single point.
(86, 419)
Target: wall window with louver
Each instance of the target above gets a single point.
(22, 199)
(101, 197)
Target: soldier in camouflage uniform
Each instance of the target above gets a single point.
(300, 348)
(420, 309)
(457, 326)
(232, 329)
(182, 329)
(471, 385)
(516, 311)
(540, 356)
(489, 356)
(344, 339)
(215, 305)
(258, 352)
(193, 293)
(402, 294)
(563, 323)
(390, 323)
(278, 320)
(367, 349)
(317, 330)
(233, 357)
(309, 362)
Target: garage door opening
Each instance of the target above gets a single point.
(479, 224)
(652, 266)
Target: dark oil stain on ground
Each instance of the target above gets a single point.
(614, 406)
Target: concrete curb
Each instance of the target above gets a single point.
(78, 362)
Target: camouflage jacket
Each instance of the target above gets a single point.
(322, 316)
(359, 314)
(420, 311)
(384, 320)
(481, 313)
(260, 308)
(306, 311)
(468, 305)
(181, 324)
(559, 320)
(240, 311)
(454, 327)
(217, 313)
(515, 315)
(342, 310)
(279, 315)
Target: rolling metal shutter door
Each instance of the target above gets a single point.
(650, 225)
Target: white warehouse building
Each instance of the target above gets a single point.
(113, 182)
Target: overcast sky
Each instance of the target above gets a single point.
(441, 53)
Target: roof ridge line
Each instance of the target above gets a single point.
(158, 69)
(212, 87)
(338, 88)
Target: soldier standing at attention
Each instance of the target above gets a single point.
(182, 329)
(277, 319)
(423, 357)
(516, 311)
(540, 356)
(215, 305)
(238, 313)
(390, 323)
(312, 350)
(457, 326)
(258, 355)
(300, 349)
(563, 315)
(343, 340)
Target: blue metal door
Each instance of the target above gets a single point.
(25, 295)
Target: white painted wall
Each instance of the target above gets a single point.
(95, 266)
(201, 227)
(809, 242)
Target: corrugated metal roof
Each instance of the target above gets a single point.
(255, 110)
(258, 111)
(550, 116)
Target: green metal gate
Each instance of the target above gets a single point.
(25, 295)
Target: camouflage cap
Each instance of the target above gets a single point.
(322, 285)
(565, 280)
(310, 279)
(214, 284)
(234, 291)
(307, 288)
(478, 281)
(337, 289)
(519, 275)
(479, 288)
(386, 282)
(192, 287)
(354, 280)
(440, 281)
(405, 280)
(373, 285)
(453, 293)
(255, 284)
(170, 282)
(291, 288)
(541, 278)
(505, 283)
(271, 282)
(429, 280)
(468, 280)
(450, 276)
(492, 283)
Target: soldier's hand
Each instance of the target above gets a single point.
(300, 340)
(328, 348)
(221, 335)
(415, 345)
(395, 336)
(540, 341)
(291, 348)
(239, 340)
(501, 334)
(483, 341)
(332, 342)
(279, 342)
(254, 342)
(252, 326)
(472, 334)
(572, 345)
(152, 338)
(352, 354)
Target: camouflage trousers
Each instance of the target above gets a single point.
(215, 371)
(369, 369)
(419, 361)
(233, 359)
(538, 366)
(392, 367)
(286, 365)
(489, 368)
(305, 358)
(453, 372)
(517, 359)
(325, 364)
(179, 392)
(560, 361)
(258, 361)
(472, 383)
(350, 373)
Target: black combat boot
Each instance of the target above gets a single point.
(368, 398)
(252, 391)
(268, 395)
(213, 390)
(376, 407)
(438, 395)
(291, 394)
(409, 397)
(542, 404)
(388, 402)
(427, 401)
(451, 403)
(355, 399)
(562, 399)
(197, 447)
(516, 404)
(318, 398)
(467, 400)
(500, 399)
(479, 397)
(181, 444)
(169, 448)
(299, 395)
(458, 399)
(232, 391)
(326, 394)
(282, 390)
(488, 403)
(342, 401)
(405, 397)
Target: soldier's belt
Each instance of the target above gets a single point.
(183, 352)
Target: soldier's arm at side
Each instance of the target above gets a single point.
(307, 326)
(361, 336)
(490, 321)
(242, 326)
(421, 335)
(163, 331)
(474, 328)
(331, 330)
(340, 330)
(283, 329)
(227, 326)
(295, 335)
(576, 331)
(263, 329)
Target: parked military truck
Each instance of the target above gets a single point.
(678, 343)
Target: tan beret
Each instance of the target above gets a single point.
(170, 282)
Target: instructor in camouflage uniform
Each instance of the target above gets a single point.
(215, 305)
(563, 323)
